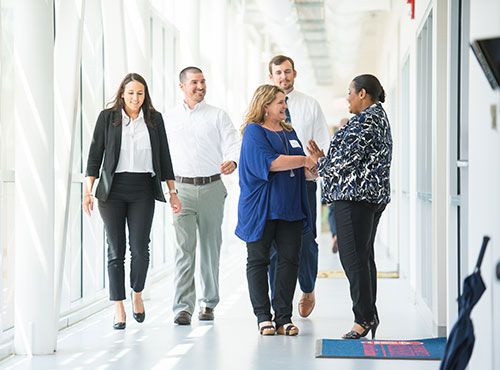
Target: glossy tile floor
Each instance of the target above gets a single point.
(232, 341)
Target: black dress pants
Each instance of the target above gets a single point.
(130, 202)
(288, 238)
(356, 228)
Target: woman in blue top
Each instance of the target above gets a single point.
(356, 178)
(272, 205)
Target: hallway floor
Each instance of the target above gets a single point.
(232, 340)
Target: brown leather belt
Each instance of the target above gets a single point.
(197, 180)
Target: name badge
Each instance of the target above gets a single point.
(294, 144)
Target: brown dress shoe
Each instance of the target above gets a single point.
(206, 314)
(335, 247)
(306, 304)
(183, 318)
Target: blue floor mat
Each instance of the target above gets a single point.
(418, 349)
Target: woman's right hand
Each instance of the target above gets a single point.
(88, 204)
(309, 164)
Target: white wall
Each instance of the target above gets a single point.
(484, 185)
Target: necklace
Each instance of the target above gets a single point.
(285, 144)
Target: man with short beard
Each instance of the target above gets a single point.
(203, 144)
(307, 119)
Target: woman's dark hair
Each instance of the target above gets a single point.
(118, 103)
(372, 86)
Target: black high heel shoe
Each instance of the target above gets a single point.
(367, 326)
(119, 325)
(141, 316)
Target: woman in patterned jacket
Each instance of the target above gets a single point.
(355, 175)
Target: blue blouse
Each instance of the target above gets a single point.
(266, 195)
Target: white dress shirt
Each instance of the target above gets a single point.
(308, 119)
(200, 140)
(135, 151)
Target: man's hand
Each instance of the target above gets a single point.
(227, 167)
(175, 203)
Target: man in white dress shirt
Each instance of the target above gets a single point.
(203, 145)
(307, 119)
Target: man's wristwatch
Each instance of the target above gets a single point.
(173, 191)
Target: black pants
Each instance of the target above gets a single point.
(356, 228)
(308, 267)
(131, 201)
(288, 238)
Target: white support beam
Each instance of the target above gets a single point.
(34, 220)
(67, 58)
(440, 91)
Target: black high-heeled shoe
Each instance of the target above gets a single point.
(141, 316)
(119, 325)
(367, 326)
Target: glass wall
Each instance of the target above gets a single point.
(84, 288)
(85, 275)
(85, 278)
(163, 86)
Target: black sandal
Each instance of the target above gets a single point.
(290, 330)
(267, 330)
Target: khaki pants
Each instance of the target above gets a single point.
(202, 210)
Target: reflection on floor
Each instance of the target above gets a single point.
(232, 341)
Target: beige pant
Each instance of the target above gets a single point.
(202, 210)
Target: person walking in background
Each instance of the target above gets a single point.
(272, 206)
(130, 154)
(355, 175)
(204, 144)
(306, 117)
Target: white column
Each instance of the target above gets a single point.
(1, 167)
(34, 231)
(115, 48)
(440, 194)
(67, 57)
(137, 31)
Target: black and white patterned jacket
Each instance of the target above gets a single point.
(358, 161)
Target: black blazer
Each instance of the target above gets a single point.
(107, 142)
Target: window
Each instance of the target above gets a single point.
(424, 162)
(7, 160)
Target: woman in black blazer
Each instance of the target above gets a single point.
(129, 152)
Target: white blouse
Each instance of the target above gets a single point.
(135, 152)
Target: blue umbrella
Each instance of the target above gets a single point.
(461, 340)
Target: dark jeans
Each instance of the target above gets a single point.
(308, 267)
(131, 201)
(288, 238)
(356, 228)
